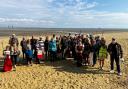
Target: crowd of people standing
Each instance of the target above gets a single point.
(85, 51)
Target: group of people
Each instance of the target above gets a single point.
(85, 51)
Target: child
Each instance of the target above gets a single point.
(29, 54)
(7, 62)
(102, 53)
(15, 52)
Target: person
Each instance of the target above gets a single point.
(73, 44)
(40, 50)
(63, 46)
(7, 62)
(23, 44)
(15, 52)
(95, 48)
(79, 50)
(46, 43)
(102, 53)
(54, 37)
(29, 53)
(13, 40)
(33, 43)
(86, 52)
(68, 52)
(116, 52)
(52, 49)
(58, 47)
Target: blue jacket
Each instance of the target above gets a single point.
(52, 46)
(29, 53)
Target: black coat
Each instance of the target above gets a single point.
(115, 50)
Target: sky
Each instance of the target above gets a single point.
(64, 13)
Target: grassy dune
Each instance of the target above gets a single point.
(65, 75)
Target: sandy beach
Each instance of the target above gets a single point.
(64, 74)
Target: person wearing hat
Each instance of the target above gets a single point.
(116, 52)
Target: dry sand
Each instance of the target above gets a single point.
(65, 75)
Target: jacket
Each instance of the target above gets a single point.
(115, 50)
(52, 46)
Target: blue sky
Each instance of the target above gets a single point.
(64, 13)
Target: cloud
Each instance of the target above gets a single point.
(25, 20)
(59, 13)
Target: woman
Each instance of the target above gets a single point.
(7, 61)
(52, 49)
(102, 53)
(79, 50)
(40, 50)
(29, 55)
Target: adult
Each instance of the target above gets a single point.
(33, 43)
(40, 50)
(116, 52)
(23, 44)
(63, 46)
(46, 43)
(52, 49)
(14, 43)
(79, 51)
(29, 53)
(13, 40)
(86, 52)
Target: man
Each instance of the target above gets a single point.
(116, 53)
(13, 40)
(33, 43)
(63, 46)
(46, 43)
(23, 44)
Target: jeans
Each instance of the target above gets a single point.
(14, 59)
(23, 52)
(53, 56)
(79, 59)
(46, 54)
(29, 59)
(94, 58)
(116, 59)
